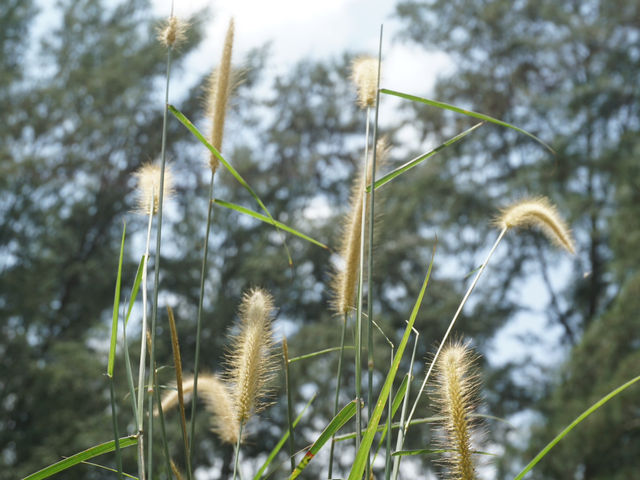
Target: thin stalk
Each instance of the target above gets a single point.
(285, 357)
(358, 339)
(156, 283)
(177, 361)
(143, 348)
(337, 399)
(132, 388)
(114, 419)
(370, 253)
(387, 463)
(237, 455)
(199, 320)
(163, 432)
(405, 406)
(453, 321)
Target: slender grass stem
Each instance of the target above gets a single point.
(285, 358)
(156, 283)
(199, 319)
(336, 404)
(237, 454)
(114, 419)
(163, 432)
(127, 360)
(387, 462)
(358, 336)
(370, 362)
(453, 321)
(143, 347)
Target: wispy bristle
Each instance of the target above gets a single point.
(218, 402)
(173, 33)
(218, 95)
(251, 360)
(540, 213)
(345, 280)
(365, 77)
(148, 178)
(456, 388)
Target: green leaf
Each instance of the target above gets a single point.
(468, 113)
(336, 424)
(318, 353)
(357, 470)
(279, 445)
(81, 457)
(192, 128)
(134, 290)
(116, 303)
(265, 219)
(397, 401)
(412, 163)
(571, 426)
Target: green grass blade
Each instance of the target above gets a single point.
(336, 424)
(318, 353)
(573, 424)
(81, 457)
(416, 161)
(367, 440)
(192, 128)
(109, 469)
(468, 113)
(116, 303)
(266, 219)
(397, 401)
(134, 290)
(281, 442)
(417, 421)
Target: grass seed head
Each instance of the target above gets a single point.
(218, 92)
(251, 361)
(173, 33)
(365, 77)
(538, 212)
(456, 388)
(148, 178)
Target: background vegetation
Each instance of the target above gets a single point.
(80, 114)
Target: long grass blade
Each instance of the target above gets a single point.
(336, 424)
(318, 353)
(573, 424)
(468, 113)
(363, 452)
(285, 357)
(266, 219)
(421, 158)
(81, 457)
(134, 289)
(192, 128)
(116, 306)
(109, 469)
(281, 442)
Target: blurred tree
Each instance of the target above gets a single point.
(568, 72)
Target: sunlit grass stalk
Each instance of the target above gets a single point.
(237, 453)
(370, 362)
(175, 347)
(127, 360)
(336, 404)
(285, 357)
(114, 420)
(218, 97)
(163, 431)
(156, 276)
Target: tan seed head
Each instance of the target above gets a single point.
(365, 77)
(173, 33)
(148, 178)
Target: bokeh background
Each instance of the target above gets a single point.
(81, 100)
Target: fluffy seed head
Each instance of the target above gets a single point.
(218, 93)
(456, 388)
(251, 360)
(345, 280)
(218, 402)
(365, 77)
(173, 32)
(538, 212)
(148, 178)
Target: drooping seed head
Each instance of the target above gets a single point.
(218, 400)
(218, 92)
(456, 388)
(251, 359)
(173, 33)
(148, 178)
(365, 77)
(538, 212)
